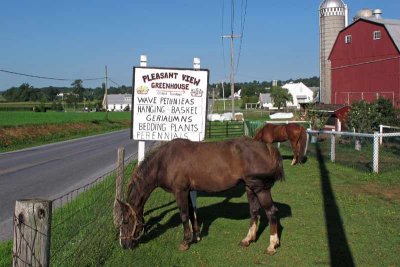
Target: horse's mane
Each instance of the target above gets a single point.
(144, 167)
(259, 133)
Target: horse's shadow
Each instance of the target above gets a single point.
(208, 214)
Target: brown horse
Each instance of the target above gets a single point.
(181, 165)
(293, 132)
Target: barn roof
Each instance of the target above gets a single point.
(336, 110)
(119, 99)
(392, 26)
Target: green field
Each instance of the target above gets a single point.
(330, 215)
(18, 118)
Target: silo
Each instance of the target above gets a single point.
(332, 19)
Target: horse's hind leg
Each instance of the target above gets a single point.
(267, 203)
(295, 147)
(182, 202)
(254, 217)
(193, 217)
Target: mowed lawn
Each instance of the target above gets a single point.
(18, 118)
(330, 216)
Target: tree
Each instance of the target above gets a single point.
(280, 96)
(71, 100)
(317, 118)
(77, 88)
(364, 117)
(50, 93)
(387, 111)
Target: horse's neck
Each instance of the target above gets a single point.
(140, 191)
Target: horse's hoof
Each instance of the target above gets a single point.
(196, 239)
(183, 247)
(244, 243)
(270, 251)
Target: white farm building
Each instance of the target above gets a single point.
(300, 92)
(120, 102)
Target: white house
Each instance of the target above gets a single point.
(301, 94)
(118, 102)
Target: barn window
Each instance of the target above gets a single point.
(377, 35)
(347, 39)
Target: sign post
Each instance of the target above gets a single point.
(141, 144)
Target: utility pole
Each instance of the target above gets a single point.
(231, 36)
(223, 94)
(105, 94)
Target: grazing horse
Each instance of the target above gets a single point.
(180, 165)
(293, 132)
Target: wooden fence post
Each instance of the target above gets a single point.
(32, 225)
(119, 182)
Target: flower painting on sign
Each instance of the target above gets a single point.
(169, 104)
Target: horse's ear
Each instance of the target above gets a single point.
(118, 210)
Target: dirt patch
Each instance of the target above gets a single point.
(385, 192)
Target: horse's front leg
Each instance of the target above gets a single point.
(182, 202)
(254, 205)
(267, 203)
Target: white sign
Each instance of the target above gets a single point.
(169, 104)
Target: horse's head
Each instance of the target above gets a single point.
(131, 225)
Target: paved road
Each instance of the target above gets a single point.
(51, 170)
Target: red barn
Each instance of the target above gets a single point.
(365, 62)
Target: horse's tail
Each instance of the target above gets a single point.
(302, 142)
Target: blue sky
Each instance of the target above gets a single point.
(76, 39)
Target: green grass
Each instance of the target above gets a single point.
(361, 213)
(18, 118)
(250, 114)
(5, 254)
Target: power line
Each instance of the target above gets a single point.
(222, 38)
(242, 23)
(114, 82)
(232, 15)
(231, 36)
(48, 78)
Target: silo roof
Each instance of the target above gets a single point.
(331, 3)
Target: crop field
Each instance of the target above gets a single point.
(330, 215)
(18, 118)
(19, 129)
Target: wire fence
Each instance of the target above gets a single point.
(82, 222)
(357, 150)
(378, 152)
(81, 229)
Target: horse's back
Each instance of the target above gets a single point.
(272, 133)
(294, 129)
(218, 166)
